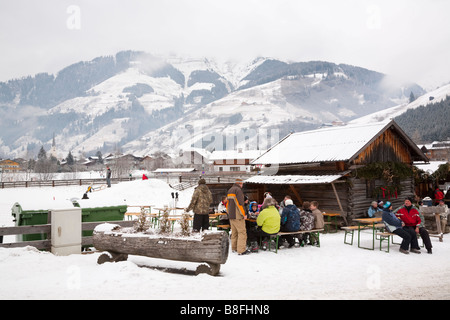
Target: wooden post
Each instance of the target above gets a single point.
(296, 194)
(339, 203)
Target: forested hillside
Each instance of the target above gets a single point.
(427, 123)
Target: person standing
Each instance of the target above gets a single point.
(200, 202)
(108, 176)
(236, 215)
(444, 214)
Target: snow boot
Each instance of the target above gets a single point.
(254, 246)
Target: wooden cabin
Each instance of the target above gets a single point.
(343, 168)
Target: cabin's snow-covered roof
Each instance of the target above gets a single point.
(294, 179)
(322, 145)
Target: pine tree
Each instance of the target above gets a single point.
(42, 155)
(69, 159)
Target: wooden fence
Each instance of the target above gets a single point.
(185, 179)
(46, 228)
(59, 183)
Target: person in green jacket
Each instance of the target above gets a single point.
(268, 222)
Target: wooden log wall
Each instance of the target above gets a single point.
(323, 193)
(359, 201)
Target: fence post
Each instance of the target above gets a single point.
(66, 231)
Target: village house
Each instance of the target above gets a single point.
(9, 166)
(437, 150)
(234, 161)
(343, 168)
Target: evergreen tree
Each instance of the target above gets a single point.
(99, 156)
(69, 159)
(42, 155)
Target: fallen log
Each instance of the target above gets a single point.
(210, 247)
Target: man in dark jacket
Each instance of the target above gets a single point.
(236, 214)
(290, 221)
(200, 202)
(108, 177)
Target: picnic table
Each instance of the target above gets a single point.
(131, 213)
(331, 220)
(368, 223)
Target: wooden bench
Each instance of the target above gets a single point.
(225, 227)
(275, 237)
(385, 236)
(351, 230)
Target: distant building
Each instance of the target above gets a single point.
(234, 160)
(9, 166)
(437, 150)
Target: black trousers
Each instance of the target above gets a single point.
(255, 234)
(409, 238)
(426, 238)
(201, 222)
(424, 235)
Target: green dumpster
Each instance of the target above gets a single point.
(114, 213)
(29, 218)
(37, 217)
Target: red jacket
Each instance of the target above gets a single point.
(411, 218)
(438, 195)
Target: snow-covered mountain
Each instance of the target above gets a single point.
(431, 97)
(143, 103)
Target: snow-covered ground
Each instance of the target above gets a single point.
(333, 271)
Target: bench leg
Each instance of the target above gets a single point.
(345, 237)
(317, 234)
(384, 238)
(274, 238)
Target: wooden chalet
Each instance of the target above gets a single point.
(330, 166)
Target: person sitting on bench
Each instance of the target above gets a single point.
(395, 225)
(268, 222)
(290, 221)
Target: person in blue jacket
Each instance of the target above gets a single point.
(373, 210)
(290, 221)
(395, 225)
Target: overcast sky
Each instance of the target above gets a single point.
(409, 39)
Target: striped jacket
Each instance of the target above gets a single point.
(235, 205)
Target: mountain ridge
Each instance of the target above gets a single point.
(133, 99)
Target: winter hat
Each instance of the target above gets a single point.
(288, 202)
(202, 181)
(387, 205)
